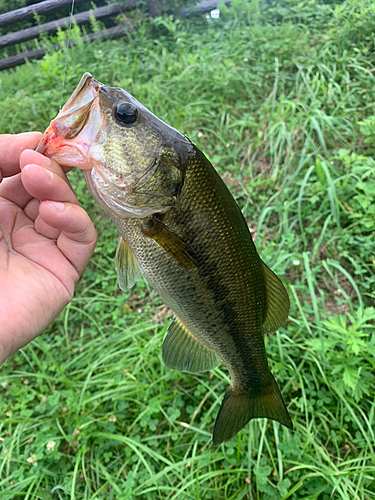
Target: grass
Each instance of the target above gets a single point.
(282, 102)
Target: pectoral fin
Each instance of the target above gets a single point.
(277, 301)
(128, 272)
(171, 243)
(182, 351)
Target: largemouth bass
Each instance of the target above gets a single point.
(181, 228)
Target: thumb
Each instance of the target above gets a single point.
(78, 236)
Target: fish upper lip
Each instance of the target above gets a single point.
(86, 92)
(74, 114)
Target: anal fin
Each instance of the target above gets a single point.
(182, 351)
(126, 265)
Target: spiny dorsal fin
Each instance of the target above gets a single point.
(171, 243)
(277, 301)
(182, 351)
(128, 272)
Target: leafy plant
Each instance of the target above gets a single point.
(282, 102)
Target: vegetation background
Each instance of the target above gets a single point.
(280, 97)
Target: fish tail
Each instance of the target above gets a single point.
(238, 408)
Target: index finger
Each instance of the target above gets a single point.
(11, 146)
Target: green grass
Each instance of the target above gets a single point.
(282, 102)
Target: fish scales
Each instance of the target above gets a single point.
(220, 288)
(181, 228)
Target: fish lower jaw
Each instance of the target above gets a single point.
(67, 154)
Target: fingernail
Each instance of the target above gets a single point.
(31, 157)
(47, 173)
(45, 162)
(40, 172)
(56, 205)
(39, 159)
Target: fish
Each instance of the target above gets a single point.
(179, 227)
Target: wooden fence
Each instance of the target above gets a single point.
(47, 6)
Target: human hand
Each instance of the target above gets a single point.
(46, 240)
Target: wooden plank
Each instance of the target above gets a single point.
(47, 6)
(51, 27)
(115, 32)
(28, 12)
(154, 7)
(202, 7)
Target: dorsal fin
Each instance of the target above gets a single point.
(182, 351)
(128, 272)
(277, 301)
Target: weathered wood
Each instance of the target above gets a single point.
(154, 7)
(28, 12)
(202, 7)
(47, 6)
(51, 27)
(11, 62)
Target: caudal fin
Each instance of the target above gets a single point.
(237, 409)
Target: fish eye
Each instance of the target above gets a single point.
(126, 113)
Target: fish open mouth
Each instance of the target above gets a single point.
(70, 135)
